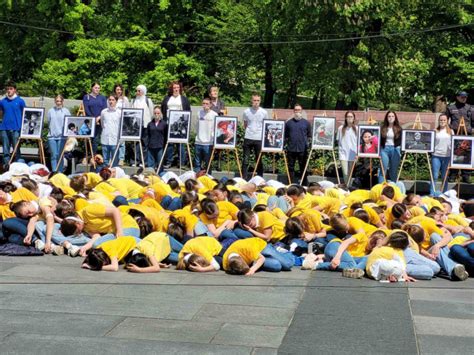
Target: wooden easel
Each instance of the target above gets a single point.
(309, 159)
(284, 157)
(371, 121)
(40, 145)
(122, 141)
(417, 125)
(228, 159)
(164, 154)
(461, 128)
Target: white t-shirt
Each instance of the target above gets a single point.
(174, 103)
(442, 143)
(254, 120)
(390, 137)
(347, 144)
(110, 122)
(205, 128)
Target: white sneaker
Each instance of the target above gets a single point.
(310, 262)
(73, 251)
(460, 272)
(39, 244)
(58, 250)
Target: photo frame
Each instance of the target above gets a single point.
(462, 152)
(273, 136)
(418, 141)
(368, 146)
(324, 131)
(32, 121)
(131, 124)
(225, 132)
(179, 124)
(79, 126)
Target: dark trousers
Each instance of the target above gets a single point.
(249, 146)
(301, 158)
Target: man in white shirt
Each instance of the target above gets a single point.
(204, 136)
(253, 123)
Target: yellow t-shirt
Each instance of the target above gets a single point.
(155, 244)
(119, 248)
(376, 192)
(95, 220)
(356, 249)
(189, 218)
(355, 224)
(429, 226)
(357, 196)
(207, 247)
(92, 179)
(152, 214)
(384, 252)
(249, 250)
(262, 198)
(207, 183)
(458, 220)
(267, 220)
(23, 194)
(127, 187)
(458, 240)
(312, 220)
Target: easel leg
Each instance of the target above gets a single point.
(336, 167)
(162, 158)
(401, 166)
(210, 160)
(92, 152)
(228, 160)
(381, 167)
(238, 162)
(117, 148)
(287, 169)
(431, 173)
(349, 178)
(370, 171)
(256, 164)
(190, 157)
(41, 152)
(445, 178)
(14, 151)
(61, 157)
(306, 166)
(141, 154)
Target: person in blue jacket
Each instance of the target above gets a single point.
(12, 109)
(94, 103)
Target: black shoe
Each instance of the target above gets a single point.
(466, 179)
(452, 179)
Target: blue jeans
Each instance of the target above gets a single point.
(278, 201)
(122, 152)
(390, 161)
(108, 154)
(464, 255)
(56, 146)
(58, 238)
(276, 261)
(127, 232)
(347, 260)
(171, 204)
(154, 157)
(437, 164)
(175, 249)
(202, 154)
(443, 259)
(420, 267)
(9, 139)
(242, 233)
(170, 153)
(15, 230)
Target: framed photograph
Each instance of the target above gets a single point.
(225, 132)
(368, 138)
(131, 124)
(418, 141)
(78, 126)
(273, 136)
(462, 152)
(179, 123)
(32, 122)
(323, 132)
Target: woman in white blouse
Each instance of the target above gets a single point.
(442, 152)
(391, 139)
(110, 121)
(347, 142)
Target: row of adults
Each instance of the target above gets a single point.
(298, 133)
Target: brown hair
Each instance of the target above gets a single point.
(448, 128)
(78, 183)
(416, 232)
(373, 239)
(345, 125)
(397, 129)
(237, 266)
(170, 87)
(193, 259)
(339, 223)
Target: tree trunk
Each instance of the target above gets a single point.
(439, 103)
(291, 94)
(269, 89)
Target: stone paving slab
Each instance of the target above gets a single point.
(444, 326)
(445, 345)
(443, 309)
(250, 335)
(446, 295)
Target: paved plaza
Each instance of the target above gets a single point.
(50, 306)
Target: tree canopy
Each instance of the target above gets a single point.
(335, 53)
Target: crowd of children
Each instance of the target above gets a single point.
(148, 222)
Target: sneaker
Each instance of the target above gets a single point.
(58, 250)
(310, 262)
(39, 244)
(73, 251)
(167, 166)
(121, 163)
(459, 273)
(353, 273)
(281, 250)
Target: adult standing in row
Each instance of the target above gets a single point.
(174, 100)
(122, 102)
(94, 103)
(297, 135)
(442, 152)
(204, 136)
(454, 112)
(157, 131)
(217, 105)
(347, 143)
(56, 140)
(390, 142)
(144, 102)
(12, 107)
(253, 123)
(110, 120)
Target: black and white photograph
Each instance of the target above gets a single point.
(368, 141)
(225, 132)
(179, 123)
(323, 132)
(273, 136)
(131, 124)
(461, 152)
(32, 122)
(78, 126)
(418, 141)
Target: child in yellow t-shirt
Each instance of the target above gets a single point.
(109, 254)
(200, 254)
(262, 225)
